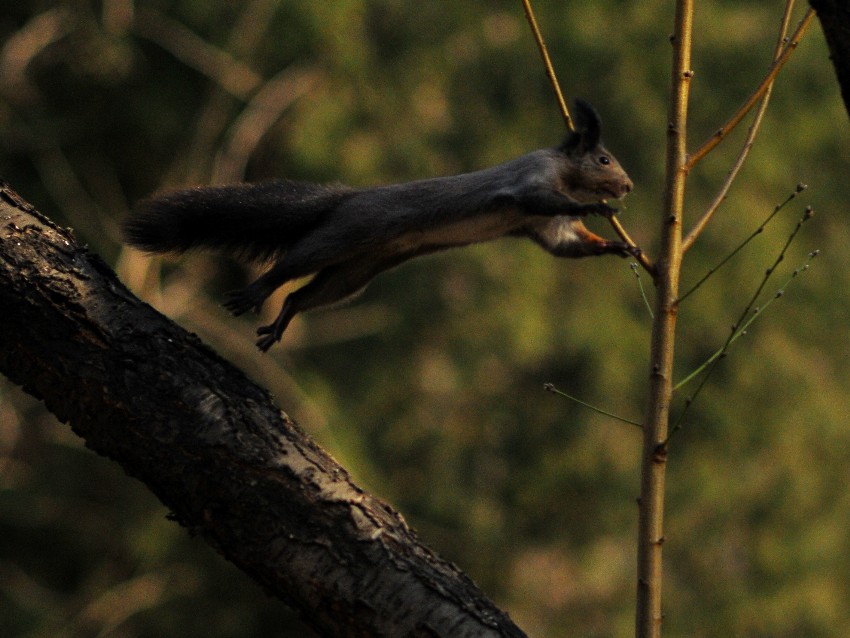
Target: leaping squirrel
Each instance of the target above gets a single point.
(347, 236)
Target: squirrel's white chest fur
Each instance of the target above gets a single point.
(556, 231)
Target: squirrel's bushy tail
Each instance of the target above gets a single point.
(252, 221)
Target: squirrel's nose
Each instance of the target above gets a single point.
(628, 185)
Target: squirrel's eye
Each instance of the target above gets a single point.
(604, 160)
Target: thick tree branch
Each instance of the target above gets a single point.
(834, 16)
(648, 618)
(212, 446)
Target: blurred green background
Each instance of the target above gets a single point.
(429, 387)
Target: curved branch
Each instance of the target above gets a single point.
(751, 101)
(233, 76)
(700, 225)
(261, 113)
(231, 466)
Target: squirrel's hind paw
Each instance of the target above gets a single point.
(241, 301)
(272, 333)
(267, 341)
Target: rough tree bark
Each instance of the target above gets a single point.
(232, 467)
(834, 16)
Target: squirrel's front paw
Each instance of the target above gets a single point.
(625, 250)
(604, 210)
(620, 248)
(633, 251)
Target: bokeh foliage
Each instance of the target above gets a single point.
(429, 387)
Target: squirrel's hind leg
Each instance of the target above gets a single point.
(331, 285)
(301, 260)
(254, 295)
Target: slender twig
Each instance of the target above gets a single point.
(742, 330)
(737, 325)
(638, 253)
(800, 188)
(551, 388)
(745, 108)
(633, 266)
(691, 237)
(547, 62)
(556, 87)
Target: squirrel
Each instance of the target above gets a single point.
(346, 236)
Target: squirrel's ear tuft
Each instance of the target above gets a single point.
(588, 129)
